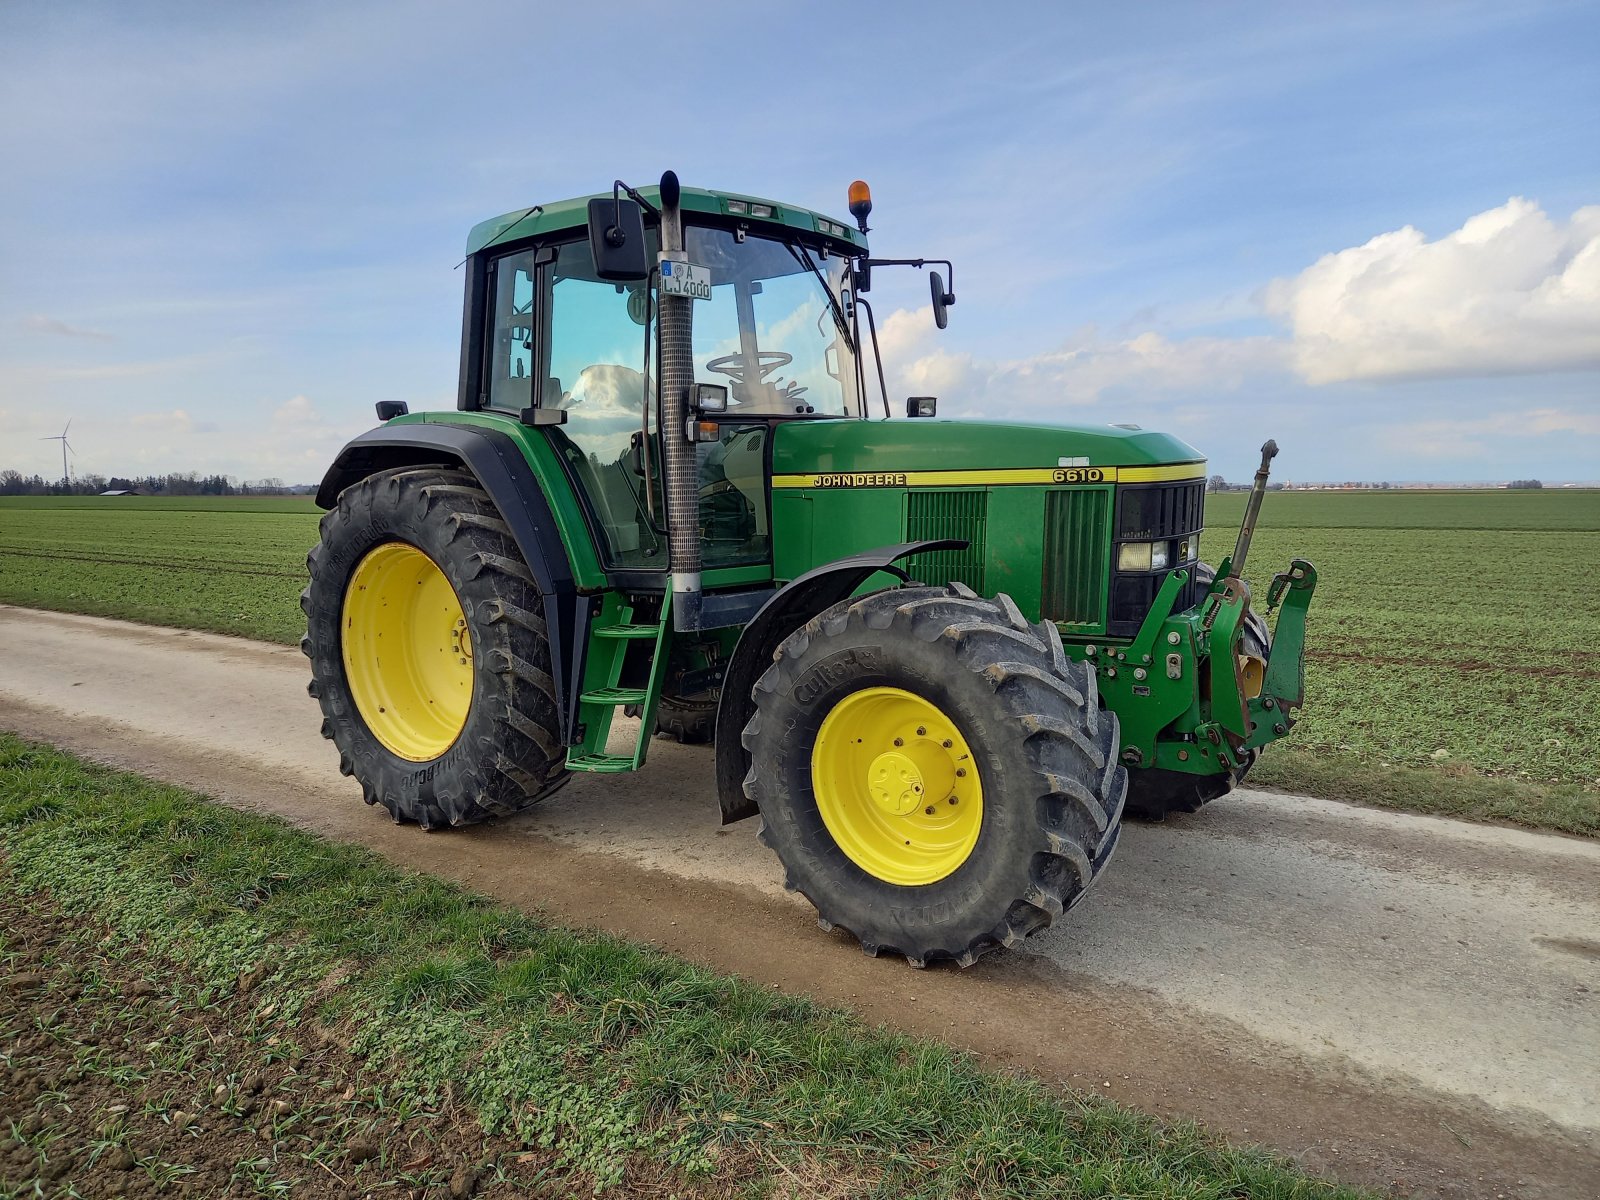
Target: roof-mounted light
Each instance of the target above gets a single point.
(860, 203)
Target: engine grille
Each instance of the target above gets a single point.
(1074, 584)
(955, 514)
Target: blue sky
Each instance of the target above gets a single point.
(1372, 231)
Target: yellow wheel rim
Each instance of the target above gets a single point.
(897, 786)
(407, 653)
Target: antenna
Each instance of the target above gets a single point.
(66, 479)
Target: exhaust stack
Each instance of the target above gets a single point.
(678, 453)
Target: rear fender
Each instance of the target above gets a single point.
(790, 607)
(494, 461)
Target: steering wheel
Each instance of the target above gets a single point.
(733, 365)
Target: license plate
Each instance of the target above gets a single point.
(680, 277)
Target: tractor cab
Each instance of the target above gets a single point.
(770, 335)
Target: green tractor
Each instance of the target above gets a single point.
(937, 658)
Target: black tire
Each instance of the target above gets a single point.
(1045, 751)
(1156, 794)
(508, 753)
(691, 720)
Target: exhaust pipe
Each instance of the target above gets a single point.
(682, 489)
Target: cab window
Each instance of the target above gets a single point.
(512, 333)
(602, 340)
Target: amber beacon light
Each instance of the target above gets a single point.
(860, 203)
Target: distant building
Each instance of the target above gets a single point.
(123, 492)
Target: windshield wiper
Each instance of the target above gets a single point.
(803, 257)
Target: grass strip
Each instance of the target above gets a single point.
(1461, 793)
(601, 1054)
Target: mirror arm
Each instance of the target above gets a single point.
(949, 267)
(618, 186)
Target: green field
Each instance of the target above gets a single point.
(228, 564)
(1453, 663)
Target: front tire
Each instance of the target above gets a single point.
(429, 653)
(934, 773)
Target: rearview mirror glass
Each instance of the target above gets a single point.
(616, 238)
(941, 314)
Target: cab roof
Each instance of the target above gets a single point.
(565, 215)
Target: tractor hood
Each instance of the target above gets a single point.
(825, 448)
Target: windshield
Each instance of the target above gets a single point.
(770, 329)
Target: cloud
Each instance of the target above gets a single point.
(1510, 292)
(42, 324)
(1086, 371)
(176, 421)
(1485, 436)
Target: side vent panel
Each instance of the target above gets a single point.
(940, 514)
(1075, 540)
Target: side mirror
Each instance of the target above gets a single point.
(616, 238)
(942, 300)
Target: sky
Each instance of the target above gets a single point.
(1371, 231)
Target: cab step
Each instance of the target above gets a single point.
(616, 636)
(628, 632)
(601, 764)
(615, 695)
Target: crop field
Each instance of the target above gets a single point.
(227, 564)
(1449, 630)
(1453, 646)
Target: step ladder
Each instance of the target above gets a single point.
(613, 634)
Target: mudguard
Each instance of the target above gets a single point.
(791, 607)
(500, 469)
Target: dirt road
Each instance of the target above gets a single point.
(1401, 1000)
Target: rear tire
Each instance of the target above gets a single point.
(1155, 794)
(1004, 699)
(507, 752)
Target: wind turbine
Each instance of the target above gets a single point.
(66, 480)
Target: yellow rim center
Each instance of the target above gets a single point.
(896, 786)
(407, 652)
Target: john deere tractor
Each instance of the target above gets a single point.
(937, 658)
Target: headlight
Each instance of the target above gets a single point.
(1144, 556)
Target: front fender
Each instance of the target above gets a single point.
(501, 470)
(790, 607)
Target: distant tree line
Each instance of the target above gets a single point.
(1525, 484)
(1218, 484)
(188, 483)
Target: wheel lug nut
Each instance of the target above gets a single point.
(929, 810)
(921, 732)
(947, 743)
(954, 800)
(961, 772)
(899, 741)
